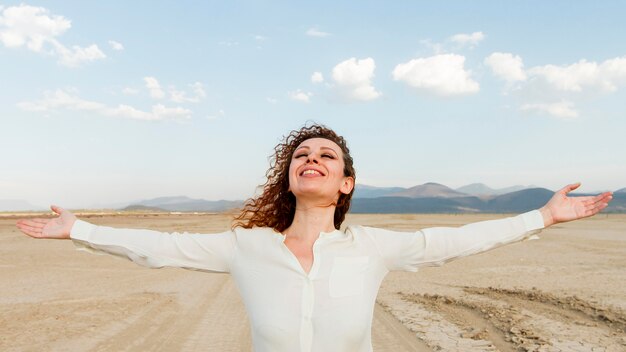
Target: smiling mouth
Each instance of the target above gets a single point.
(311, 172)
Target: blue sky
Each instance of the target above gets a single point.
(106, 102)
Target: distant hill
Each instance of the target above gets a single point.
(523, 200)
(621, 190)
(618, 204)
(477, 189)
(144, 208)
(516, 202)
(182, 203)
(404, 205)
(480, 189)
(18, 205)
(365, 191)
(429, 190)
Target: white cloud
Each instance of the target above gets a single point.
(60, 99)
(179, 96)
(76, 56)
(506, 66)
(128, 112)
(161, 112)
(440, 74)
(606, 76)
(271, 100)
(153, 86)
(437, 48)
(260, 38)
(68, 100)
(314, 32)
(467, 39)
(130, 91)
(353, 79)
(564, 109)
(317, 77)
(37, 29)
(116, 45)
(559, 82)
(158, 112)
(30, 26)
(299, 95)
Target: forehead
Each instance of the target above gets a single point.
(317, 143)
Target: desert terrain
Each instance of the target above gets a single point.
(563, 292)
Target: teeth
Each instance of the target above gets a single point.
(310, 172)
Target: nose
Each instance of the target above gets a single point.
(311, 159)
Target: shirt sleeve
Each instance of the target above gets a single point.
(156, 249)
(437, 245)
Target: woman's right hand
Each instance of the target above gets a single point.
(58, 228)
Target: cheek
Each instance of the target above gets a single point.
(291, 173)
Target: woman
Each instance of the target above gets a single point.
(306, 285)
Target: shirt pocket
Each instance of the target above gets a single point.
(347, 276)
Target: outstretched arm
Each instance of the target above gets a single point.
(438, 245)
(561, 208)
(145, 247)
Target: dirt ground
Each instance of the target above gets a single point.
(564, 292)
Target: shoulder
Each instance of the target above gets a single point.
(361, 233)
(370, 231)
(255, 234)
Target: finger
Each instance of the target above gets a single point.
(36, 225)
(57, 209)
(603, 198)
(28, 225)
(569, 188)
(599, 205)
(604, 195)
(33, 234)
(29, 230)
(596, 209)
(584, 199)
(31, 223)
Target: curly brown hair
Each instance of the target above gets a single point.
(276, 207)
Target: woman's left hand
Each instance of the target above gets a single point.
(561, 208)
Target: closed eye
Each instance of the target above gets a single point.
(328, 156)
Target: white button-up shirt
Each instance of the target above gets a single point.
(331, 307)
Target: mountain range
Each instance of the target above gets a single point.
(475, 198)
(182, 203)
(426, 198)
(18, 204)
(432, 189)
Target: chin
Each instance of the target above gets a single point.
(315, 194)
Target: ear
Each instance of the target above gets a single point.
(347, 185)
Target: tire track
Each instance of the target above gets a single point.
(569, 308)
(166, 323)
(482, 324)
(388, 334)
(516, 320)
(142, 330)
(223, 325)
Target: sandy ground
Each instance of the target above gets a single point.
(565, 292)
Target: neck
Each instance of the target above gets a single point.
(309, 220)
